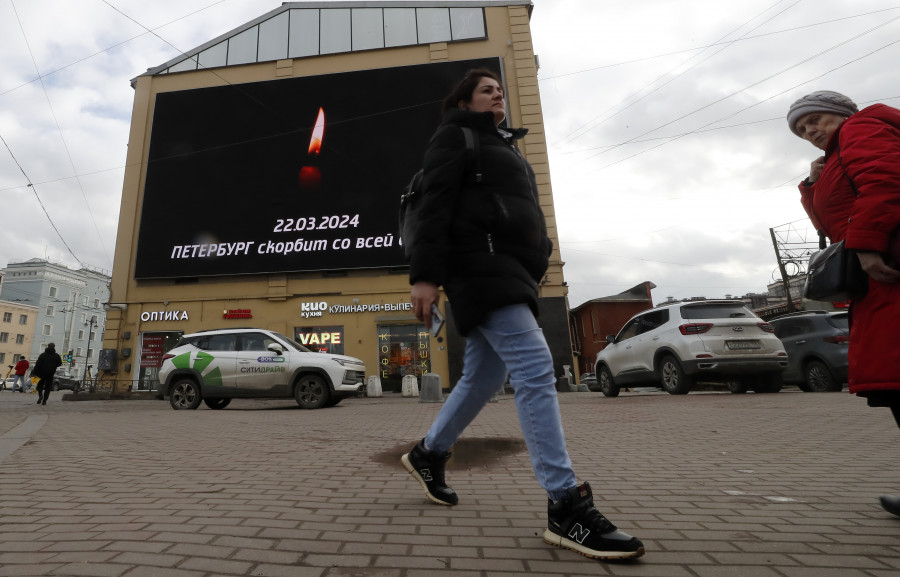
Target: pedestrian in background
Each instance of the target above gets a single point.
(853, 194)
(19, 377)
(485, 241)
(45, 369)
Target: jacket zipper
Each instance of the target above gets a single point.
(490, 244)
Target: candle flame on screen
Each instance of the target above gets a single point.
(315, 142)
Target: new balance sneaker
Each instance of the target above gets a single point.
(574, 523)
(427, 467)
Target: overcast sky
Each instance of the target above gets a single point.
(669, 153)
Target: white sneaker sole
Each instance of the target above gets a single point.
(412, 471)
(552, 538)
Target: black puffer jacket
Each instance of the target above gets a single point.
(484, 242)
(46, 364)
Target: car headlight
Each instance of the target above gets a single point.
(345, 362)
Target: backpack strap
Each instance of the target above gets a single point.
(473, 152)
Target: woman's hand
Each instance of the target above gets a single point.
(815, 169)
(873, 265)
(422, 296)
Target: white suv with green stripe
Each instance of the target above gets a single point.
(219, 365)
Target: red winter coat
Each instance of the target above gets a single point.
(868, 144)
(21, 367)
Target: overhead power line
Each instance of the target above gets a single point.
(37, 196)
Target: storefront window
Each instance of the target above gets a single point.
(153, 345)
(321, 339)
(402, 350)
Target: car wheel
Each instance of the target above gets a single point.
(607, 385)
(55, 386)
(185, 394)
(737, 387)
(312, 392)
(216, 404)
(819, 378)
(672, 378)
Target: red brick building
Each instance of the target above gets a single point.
(593, 320)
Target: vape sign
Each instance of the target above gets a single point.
(295, 174)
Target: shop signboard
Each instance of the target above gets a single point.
(295, 174)
(152, 349)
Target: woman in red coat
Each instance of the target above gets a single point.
(853, 194)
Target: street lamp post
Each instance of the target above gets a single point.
(91, 324)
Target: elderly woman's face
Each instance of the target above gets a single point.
(817, 127)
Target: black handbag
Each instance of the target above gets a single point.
(834, 274)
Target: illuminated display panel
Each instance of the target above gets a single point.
(239, 181)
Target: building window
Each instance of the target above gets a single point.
(47, 329)
(90, 353)
(83, 318)
(84, 300)
(402, 350)
(96, 303)
(7, 317)
(78, 352)
(50, 310)
(23, 319)
(4, 337)
(80, 335)
(2, 358)
(20, 339)
(53, 292)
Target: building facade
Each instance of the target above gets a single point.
(264, 173)
(68, 309)
(17, 323)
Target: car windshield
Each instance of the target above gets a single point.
(840, 321)
(716, 311)
(292, 343)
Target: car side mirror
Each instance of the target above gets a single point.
(275, 348)
(611, 339)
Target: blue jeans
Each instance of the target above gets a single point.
(18, 379)
(510, 342)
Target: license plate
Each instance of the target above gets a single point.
(742, 345)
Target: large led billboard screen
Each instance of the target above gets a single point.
(297, 174)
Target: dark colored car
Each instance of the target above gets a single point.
(816, 343)
(63, 381)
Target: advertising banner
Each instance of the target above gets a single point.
(296, 174)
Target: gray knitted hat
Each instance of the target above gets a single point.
(821, 101)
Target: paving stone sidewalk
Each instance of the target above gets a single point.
(716, 485)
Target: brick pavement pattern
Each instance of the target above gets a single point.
(716, 485)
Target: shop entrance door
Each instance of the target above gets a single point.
(402, 350)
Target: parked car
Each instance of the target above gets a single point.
(63, 380)
(673, 346)
(219, 365)
(816, 343)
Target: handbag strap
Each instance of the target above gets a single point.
(852, 186)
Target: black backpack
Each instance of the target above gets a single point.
(411, 199)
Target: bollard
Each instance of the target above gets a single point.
(431, 389)
(409, 386)
(373, 387)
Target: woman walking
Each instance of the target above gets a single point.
(482, 236)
